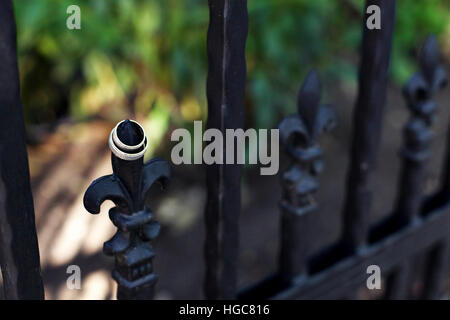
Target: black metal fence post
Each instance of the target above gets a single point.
(367, 122)
(128, 188)
(442, 197)
(227, 35)
(435, 270)
(418, 92)
(19, 251)
(445, 188)
(298, 134)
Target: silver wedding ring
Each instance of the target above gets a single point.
(115, 143)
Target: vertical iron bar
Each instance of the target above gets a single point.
(226, 39)
(367, 123)
(436, 267)
(445, 188)
(398, 283)
(19, 251)
(294, 243)
(442, 196)
(418, 91)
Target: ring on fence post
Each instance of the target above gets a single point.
(125, 151)
(128, 188)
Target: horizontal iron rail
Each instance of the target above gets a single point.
(350, 273)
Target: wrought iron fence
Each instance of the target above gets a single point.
(418, 225)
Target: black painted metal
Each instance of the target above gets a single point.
(435, 270)
(340, 270)
(418, 92)
(445, 191)
(417, 226)
(19, 252)
(298, 134)
(225, 93)
(128, 187)
(349, 273)
(443, 196)
(367, 124)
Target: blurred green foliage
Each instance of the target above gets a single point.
(148, 58)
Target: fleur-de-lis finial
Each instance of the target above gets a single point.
(308, 101)
(128, 188)
(421, 87)
(418, 92)
(298, 134)
(430, 66)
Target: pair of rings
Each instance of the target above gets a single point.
(115, 143)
